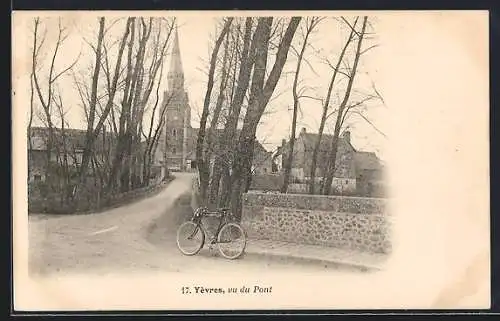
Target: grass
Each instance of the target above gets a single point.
(120, 201)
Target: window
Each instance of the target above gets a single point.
(37, 178)
(174, 132)
(347, 181)
(174, 150)
(265, 170)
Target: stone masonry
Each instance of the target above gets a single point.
(361, 224)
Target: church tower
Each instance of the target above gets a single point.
(177, 122)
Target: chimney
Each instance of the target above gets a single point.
(347, 136)
(283, 142)
(303, 131)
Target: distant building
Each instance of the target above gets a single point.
(370, 179)
(177, 142)
(355, 171)
(69, 142)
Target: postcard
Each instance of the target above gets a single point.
(236, 160)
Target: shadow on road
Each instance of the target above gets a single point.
(162, 230)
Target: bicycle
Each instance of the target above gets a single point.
(230, 237)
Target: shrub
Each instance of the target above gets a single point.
(87, 200)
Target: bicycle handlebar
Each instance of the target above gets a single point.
(205, 212)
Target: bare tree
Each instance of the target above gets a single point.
(157, 62)
(202, 163)
(47, 100)
(261, 91)
(64, 153)
(93, 131)
(30, 124)
(135, 97)
(117, 177)
(332, 157)
(213, 140)
(121, 156)
(311, 23)
(326, 104)
(136, 110)
(223, 161)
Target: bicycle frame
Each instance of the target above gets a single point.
(202, 212)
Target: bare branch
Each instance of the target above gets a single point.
(371, 123)
(353, 29)
(67, 68)
(335, 68)
(313, 98)
(378, 93)
(369, 48)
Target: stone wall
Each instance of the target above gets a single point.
(344, 222)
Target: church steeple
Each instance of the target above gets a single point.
(174, 148)
(175, 73)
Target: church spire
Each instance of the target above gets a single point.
(175, 73)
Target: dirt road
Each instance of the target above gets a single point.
(135, 237)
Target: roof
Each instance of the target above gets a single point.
(219, 132)
(367, 161)
(311, 139)
(363, 160)
(75, 137)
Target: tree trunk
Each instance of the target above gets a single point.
(340, 116)
(212, 144)
(201, 162)
(225, 187)
(136, 105)
(92, 105)
(260, 94)
(228, 137)
(117, 177)
(91, 134)
(152, 136)
(30, 122)
(326, 105)
(215, 184)
(288, 167)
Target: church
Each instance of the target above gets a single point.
(177, 141)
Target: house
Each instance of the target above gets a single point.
(67, 148)
(262, 160)
(355, 171)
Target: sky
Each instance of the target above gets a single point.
(396, 38)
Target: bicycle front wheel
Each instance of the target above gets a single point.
(190, 238)
(232, 241)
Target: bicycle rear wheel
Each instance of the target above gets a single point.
(232, 241)
(190, 238)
